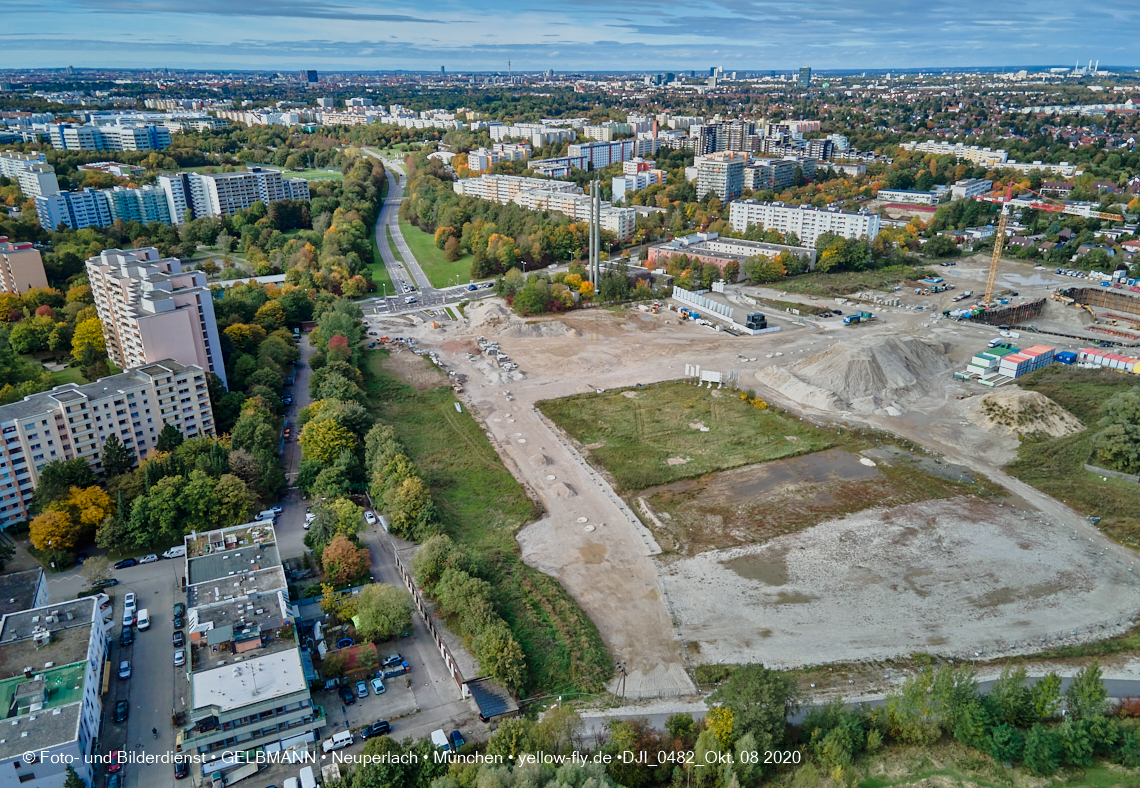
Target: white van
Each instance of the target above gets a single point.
(995, 342)
(144, 620)
(175, 552)
(307, 778)
(439, 740)
(337, 742)
(290, 782)
(267, 514)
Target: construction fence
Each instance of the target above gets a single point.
(1012, 314)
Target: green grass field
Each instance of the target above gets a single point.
(69, 375)
(1056, 465)
(315, 175)
(824, 285)
(379, 272)
(482, 506)
(439, 272)
(638, 435)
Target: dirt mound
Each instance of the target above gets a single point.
(544, 329)
(539, 459)
(865, 376)
(563, 490)
(489, 314)
(1012, 411)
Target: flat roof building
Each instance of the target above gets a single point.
(806, 222)
(52, 660)
(152, 309)
(73, 421)
(711, 248)
(21, 267)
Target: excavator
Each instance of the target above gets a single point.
(1044, 204)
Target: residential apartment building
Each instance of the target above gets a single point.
(623, 185)
(21, 267)
(504, 188)
(806, 222)
(37, 180)
(52, 660)
(620, 221)
(68, 136)
(73, 421)
(76, 209)
(603, 154)
(152, 309)
(711, 248)
(558, 167)
(907, 197)
(776, 174)
(969, 188)
(248, 689)
(226, 193)
(722, 174)
(146, 204)
(12, 162)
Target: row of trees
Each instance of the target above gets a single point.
(450, 575)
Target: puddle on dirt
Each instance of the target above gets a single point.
(768, 569)
(931, 465)
(792, 598)
(593, 553)
(750, 482)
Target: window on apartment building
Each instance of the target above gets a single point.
(27, 777)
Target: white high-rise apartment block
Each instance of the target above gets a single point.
(37, 180)
(53, 660)
(21, 267)
(504, 188)
(806, 222)
(66, 136)
(73, 421)
(12, 162)
(152, 309)
(226, 193)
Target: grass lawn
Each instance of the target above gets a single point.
(824, 285)
(379, 272)
(315, 175)
(439, 272)
(68, 375)
(482, 507)
(1056, 465)
(633, 437)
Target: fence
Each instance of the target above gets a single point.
(421, 607)
(688, 297)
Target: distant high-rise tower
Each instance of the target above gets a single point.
(804, 79)
(70, 70)
(442, 71)
(309, 77)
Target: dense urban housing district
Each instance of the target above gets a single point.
(717, 428)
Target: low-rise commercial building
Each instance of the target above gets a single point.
(72, 421)
(907, 196)
(52, 660)
(711, 248)
(806, 222)
(21, 267)
(968, 188)
(248, 690)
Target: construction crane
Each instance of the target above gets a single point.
(1044, 204)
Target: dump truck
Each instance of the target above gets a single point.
(858, 317)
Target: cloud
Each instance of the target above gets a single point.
(291, 9)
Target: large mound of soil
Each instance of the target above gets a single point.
(493, 317)
(865, 375)
(1013, 411)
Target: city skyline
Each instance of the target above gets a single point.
(584, 34)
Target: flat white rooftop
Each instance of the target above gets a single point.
(247, 681)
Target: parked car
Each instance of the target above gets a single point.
(125, 669)
(127, 637)
(369, 518)
(181, 770)
(472, 287)
(277, 508)
(362, 689)
(122, 711)
(105, 583)
(179, 622)
(375, 729)
(378, 686)
(115, 780)
(149, 559)
(116, 761)
(126, 562)
(390, 660)
(457, 740)
(179, 608)
(179, 639)
(179, 657)
(129, 602)
(348, 696)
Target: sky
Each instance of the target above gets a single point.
(564, 35)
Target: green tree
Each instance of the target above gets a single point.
(511, 739)
(500, 656)
(761, 701)
(1046, 694)
(1014, 698)
(412, 509)
(72, 779)
(323, 441)
(1042, 751)
(1005, 743)
(117, 458)
(1086, 695)
(762, 268)
(58, 477)
(384, 612)
(169, 438)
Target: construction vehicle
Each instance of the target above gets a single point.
(1045, 204)
(1063, 299)
(858, 317)
(689, 313)
(656, 308)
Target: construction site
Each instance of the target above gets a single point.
(899, 519)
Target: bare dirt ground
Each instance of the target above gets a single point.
(942, 577)
(612, 570)
(412, 369)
